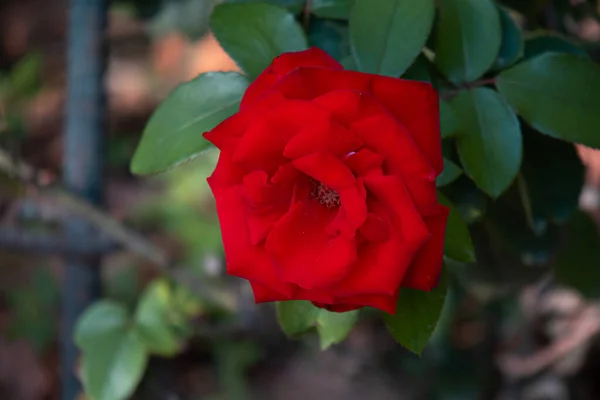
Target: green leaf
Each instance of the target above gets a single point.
(100, 320)
(457, 242)
(296, 317)
(334, 9)
(450, 173)
(544, 42)
(512, 45)
(448, 121)
(417, 316)
(253, 34)
(334, 327)
(489, 140)
(25, 76)
(113, 358)
(174, 133)
(348, 63)
(470, 202)
(578, 261)
(419, 70)
(331, 36)
(387, 38)
(112, 369)
(468, 38)
(152, 319)
(552, 179)
(557, 94)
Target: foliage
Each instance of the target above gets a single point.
(512, 104)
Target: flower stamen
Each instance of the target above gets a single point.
(324, 194)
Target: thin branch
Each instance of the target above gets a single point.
(15, 239)
(105, 223)
(306, 15)
(467, 86)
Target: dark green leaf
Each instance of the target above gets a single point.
(450, 173)
(419, 70)
(334, 9)
(331, 36)
(578, 261)
(296, 317)
(187, 16)
(152, 319)
(113, 368)
(387, 38)
(553, 178)
(557, 94)
(457, 242)
(348, 63)
(448, 122)
(470, 202)
(489, 140)
(417, 316)
(174, 133)
(544, 42)
(512, 45)
(468, 38)
(334, 327)
(253, 34)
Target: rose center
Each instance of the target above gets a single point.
(324, 195)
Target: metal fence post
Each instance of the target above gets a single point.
(84, 148)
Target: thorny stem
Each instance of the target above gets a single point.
(467, 86)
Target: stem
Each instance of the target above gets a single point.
(467, 86)
(306, 15)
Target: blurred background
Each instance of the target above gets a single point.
(532, 340)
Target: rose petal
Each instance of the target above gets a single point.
(265, 204)
(242, 258)
(304, 253)
(403, 158)
(262, 144)
(326, 169)
(284, 64)
(416, 106)
(364, 161)
(381, 302)
(332, 172)
(348, 106)
(375, 229)
(226, 135)
(339, 308)
(381, 266)
(309, 83)
(425, 269)
(263, 294)
(330, 137)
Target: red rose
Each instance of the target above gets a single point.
(325, 185)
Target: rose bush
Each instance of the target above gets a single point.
(325, 185)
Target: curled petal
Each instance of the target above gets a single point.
(309, 83)
(381, 266)
(283, 65)
(425, 269)
(330, 137)
(242, 258)
(416, 106)
(304, 253)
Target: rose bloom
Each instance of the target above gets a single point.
(325, 185)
